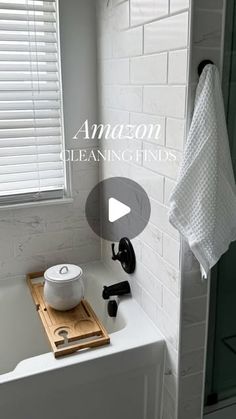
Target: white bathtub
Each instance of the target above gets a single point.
(120, 381)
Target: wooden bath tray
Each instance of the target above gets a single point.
(68, 331)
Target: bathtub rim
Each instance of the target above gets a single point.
(126, 339)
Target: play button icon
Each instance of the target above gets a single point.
(117, 210)
(117, 207)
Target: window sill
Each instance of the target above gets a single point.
(46, 203)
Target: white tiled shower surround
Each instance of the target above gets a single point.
(146, 70)
(37, 237)
(144, 77)
(143, 50)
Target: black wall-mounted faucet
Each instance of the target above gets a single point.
(125, 255)
(121, 288)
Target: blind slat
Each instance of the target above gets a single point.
(30, 150)
(29, 17)
(29, 115)
(41, 158)
(30, 167)
(32, 67)
(17, 76)
(31, 194)
(29, 141)
(47, 174)
(26, 6)
(34, 95)
(36, 184)
(32, 86)
(29, 57)
(28, 27)
(29, 105)
(13, 133)
(35, 37)
(42, 123)
(32, 47)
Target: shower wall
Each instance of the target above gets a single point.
(131, 62)
(143, 54)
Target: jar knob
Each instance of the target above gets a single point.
(64, 270)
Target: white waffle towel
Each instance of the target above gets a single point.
(203, 203)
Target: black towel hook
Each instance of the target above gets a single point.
(202, 65)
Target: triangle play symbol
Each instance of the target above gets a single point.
(117, 210)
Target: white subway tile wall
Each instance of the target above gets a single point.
(115, 71)
(166, 166)
(177, 5)
(175, 133)
(128, 43)
(144, 11)
(178, 66)
(164, 100)
(158, 134)
(166, 34)
(169, 186)
(155, 48)
(143, 55)
(149, 69)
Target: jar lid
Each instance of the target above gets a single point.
(63, 273)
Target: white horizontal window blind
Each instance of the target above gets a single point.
(31, 128)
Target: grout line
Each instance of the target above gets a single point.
(118, 4)
(164, 286)
(196, 298)
(189, 326)
(168, 68)
(216, 11)
(201, 348)
(158, 52)
(163, 17)
(143, 39)
(164, 190)
(193, 374)
(129, 13)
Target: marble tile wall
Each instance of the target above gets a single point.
(32, 239)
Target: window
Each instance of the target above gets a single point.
(31, 121)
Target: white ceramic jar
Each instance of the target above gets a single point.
(64, 287)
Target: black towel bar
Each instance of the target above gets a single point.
(202, 65)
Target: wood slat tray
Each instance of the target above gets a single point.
(68, 331)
